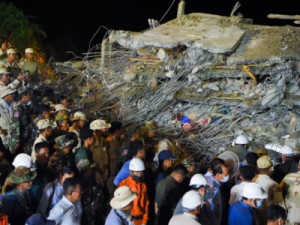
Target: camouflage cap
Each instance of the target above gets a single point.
(43, 123)
(60, 117)
(4, 71)
(151, 125)
(11, 51)
(188, 162)
(22, 175)
(63, 142)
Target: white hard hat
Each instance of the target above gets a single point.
(29, 50)
(253, 190)
(191, 200)
(22, 159)
(164, 144)
(136, 164)
(99, 124)
(242, 140)
(287, 150)
(198, 180)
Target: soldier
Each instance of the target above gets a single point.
(29, 64)
(291, 186)
(4, 79)
(6, 110)
(100, 146)
(92, 197)
(21, 120)
(10, 62)
(45, 130)
(63, 156)
(78, 122)
(17, 204)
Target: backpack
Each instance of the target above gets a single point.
(38, 218)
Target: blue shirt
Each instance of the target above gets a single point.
(240, 213)
(123, 173)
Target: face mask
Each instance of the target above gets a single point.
(208, 194)
(137, 179)
(225, 179)
(258, 203)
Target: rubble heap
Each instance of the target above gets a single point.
(203, 78)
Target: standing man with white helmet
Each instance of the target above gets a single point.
(198, 183)
(242, 212)
(78, 122)
(192, 204)
(239, 147)
(139, 211)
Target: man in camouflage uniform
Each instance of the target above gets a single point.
(10, 62)
(291, 186)
(21, 119)
(29, 64)
(91, 196)
(4, 79)
(6, 111)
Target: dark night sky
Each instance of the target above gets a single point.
(78, 20)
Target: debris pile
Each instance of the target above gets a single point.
(203, 78)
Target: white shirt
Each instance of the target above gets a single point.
(64, 213)
(184, 219)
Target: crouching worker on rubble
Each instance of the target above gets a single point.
(121, 204)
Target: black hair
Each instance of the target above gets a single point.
(115, 125)
(44, 108)
(247, 172)
(275, 212)
(215, 162)
(72, 136)
(70, 185)
(251, 158)
(67, 170)
(179, 170)
(40, 145)
(134, 148)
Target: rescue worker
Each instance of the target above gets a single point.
(241, 212)
(192, 204)
(29, 64)
(139, 211)
(5, 79)
(78, 122)
(10, 62)
(239, 147)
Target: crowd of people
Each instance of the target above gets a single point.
(59, 167)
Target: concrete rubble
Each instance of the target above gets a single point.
(203, 78)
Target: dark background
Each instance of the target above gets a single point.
(70, 25)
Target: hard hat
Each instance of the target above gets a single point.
(253, 190)
(198, 180)
(99, 124)
(241, 140)
(22, 159)
(264, 162)
(136, 164)
(191, 200)
(287, 150)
